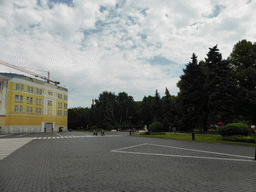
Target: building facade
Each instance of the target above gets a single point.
(30, 105)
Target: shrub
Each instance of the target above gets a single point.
(94, 127)
(234, 129)
(156, 127)
(153, 133)
(240, 138)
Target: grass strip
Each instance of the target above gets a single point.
(198, 138)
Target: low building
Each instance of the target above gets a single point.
(30, 105)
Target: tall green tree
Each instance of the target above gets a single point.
(168, 106)
(158, 107)
(220, 87)
(243, 64)
(105, 109)
(192, 96)
(125, 108)
(147, 110)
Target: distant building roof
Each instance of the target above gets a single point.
(14, 75)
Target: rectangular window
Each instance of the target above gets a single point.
(49, 93)
(21, 98)
(65, 105)
(16, 108)
(37, 101)
(37, 91)
(22, 88)
(27, 110)
(21, 109)
(39, 111)
(65, 113)
(28, 89)
(16, 98)
(59, 105)
(27, 99)
(17, 86)
(31, 109)
(36, 110)
(31, 100)
(40, 91)
(60, 112)
(65, 97)
(59, 96)
(40, 101)
(32, 89)
(49, 103)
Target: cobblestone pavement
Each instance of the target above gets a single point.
(117, 162)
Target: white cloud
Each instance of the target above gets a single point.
(92, 46)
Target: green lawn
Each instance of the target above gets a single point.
(198, 138)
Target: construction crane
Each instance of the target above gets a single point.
(29, 72)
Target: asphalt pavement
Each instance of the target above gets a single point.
(79, 161)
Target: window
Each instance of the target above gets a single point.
(27, 99)
(65, 113)
(31, 100)
(16, 108)
(31, 109)
(17, 86)
(65, 105)
(37, 101)
(32, 89)
(59, 96)
(65, 97)
(28, 89)
(37, 91)
(39, 111)
(16, 98)
(22, 88)
(59, 105)
(40, 91)
(49, 103)
(36, 110)
(40, 101)
(21, 108)
(59, 112)
(49, 93)
(27, 110)
(21, 98)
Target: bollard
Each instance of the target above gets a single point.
(193, 136)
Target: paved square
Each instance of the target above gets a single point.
(117, 162)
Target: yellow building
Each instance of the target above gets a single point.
(30, 105)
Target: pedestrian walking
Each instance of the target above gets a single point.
(102, 132)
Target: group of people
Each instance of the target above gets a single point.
(95, 132)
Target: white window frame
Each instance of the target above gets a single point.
(16, 108)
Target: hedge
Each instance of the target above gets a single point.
(234, 129)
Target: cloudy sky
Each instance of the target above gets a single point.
(92, 46)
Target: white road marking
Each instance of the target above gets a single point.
(200, 151)
(183, 156)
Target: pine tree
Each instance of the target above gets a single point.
(192, 94)
(157, 107)
(168, 108)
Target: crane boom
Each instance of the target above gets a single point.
(29, 72)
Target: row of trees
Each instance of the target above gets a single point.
(212, 90)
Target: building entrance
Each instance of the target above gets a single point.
(48, 127)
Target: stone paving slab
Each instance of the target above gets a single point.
(7, 146)
(103, 164)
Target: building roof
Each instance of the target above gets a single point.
(14, 75)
